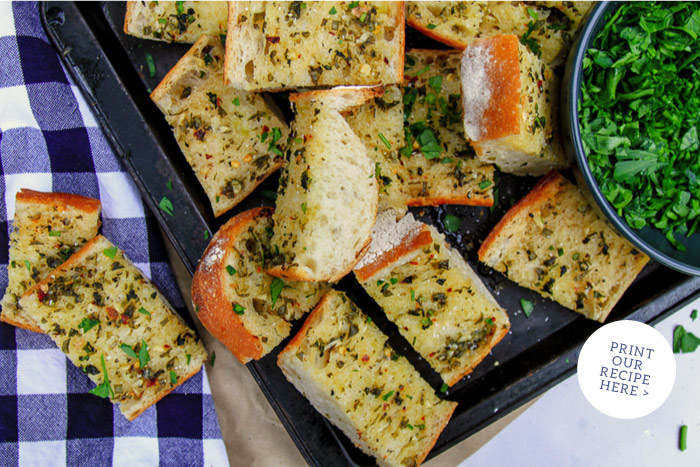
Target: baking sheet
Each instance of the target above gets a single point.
(111, 69)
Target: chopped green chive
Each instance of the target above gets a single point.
(212, 359)
(206, 235)
(303, 207)
(369, 320)
(173, 378)
(420, 72)
(230, 269)
(444, 387)
(435, 82)
(490, 322)
(110, 252)
(527, 306)
(143, 311)
(162, 20)
(54, 233)
(28, 265)
(238, 309)
(386, 396)
(683, 439)
(385, 141)
(485, 184)
(560, 251)
(151, 65)
(188, 357)
(432, 26)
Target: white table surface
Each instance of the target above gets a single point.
(563, 429)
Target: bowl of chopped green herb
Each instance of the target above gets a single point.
(630, 111)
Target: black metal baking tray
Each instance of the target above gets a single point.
(111, 70)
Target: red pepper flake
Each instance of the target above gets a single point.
(414, 263)
(40, 295)
(112, 313)
(208, 156)
(385, 406)
(166, 346)
(124, 319)
(265, 128)
(218, 102)
(199, 134)
(273, 39)
(386, 60)
(333, 34)
(307, 138)
(450, 289)
(365, 358)
(150, 382)
(431, 355)
(539, 85)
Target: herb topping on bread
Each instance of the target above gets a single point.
(278, 45)
(113, 324)
(232, 139)
(47, 229)
(247, 310)
(552, 241)
(343, 364)
(175, 21)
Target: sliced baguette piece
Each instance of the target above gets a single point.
(327, 196)
(553, 242)
(432, 295)
(287, 45)
(449, 172)
(232, 139)
(175, 21)
(343, 364)
(47, 229)
(510, 112)
(247, 310)
(379, 124)
(458, 24)
(108, 318)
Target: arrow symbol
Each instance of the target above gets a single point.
(645, 392)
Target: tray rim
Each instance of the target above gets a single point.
(306, 452)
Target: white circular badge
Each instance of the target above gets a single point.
(626, 369)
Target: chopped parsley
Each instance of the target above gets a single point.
(276, 287)
(166, 205)
(444, 387)
(128, 350)
(485, 184)
(173, 378)
(169, 185)
(230, 269)
(103, 389)
(143, 311)
(236, 102)
(54, 233)
(452, 223)
(188, 357)
(693, 314)
(238, 309)
(386, 396)
(303, 207)
(638, 115)
(29, 265)
(144, 357)
(110, 252)
(432, 26)
(527, 306)
(683, 438)
(435, 83)
(86, 324)
(683, 341)
(212, 359)
(332, 11)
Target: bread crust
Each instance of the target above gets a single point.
(502, 116)
(209, 296)
(345, 96)
(30, 326)
(129, 16)
(61, 200)
(433, 35)
(545, 188)
(440, 200)
(389, 258)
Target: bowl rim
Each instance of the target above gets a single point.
(593, 25)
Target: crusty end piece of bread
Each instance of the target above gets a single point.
(552, 241)
(163, 21)
(232, 139)
(340, 98)
(342, 363)
(328, 180)
(510, 106)
(234, 297)
(436, 300)
(288, 45)
(47, 229)
(106, 304)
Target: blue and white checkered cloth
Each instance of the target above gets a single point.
(50, 141)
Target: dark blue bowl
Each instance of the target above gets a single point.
(648, 239)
